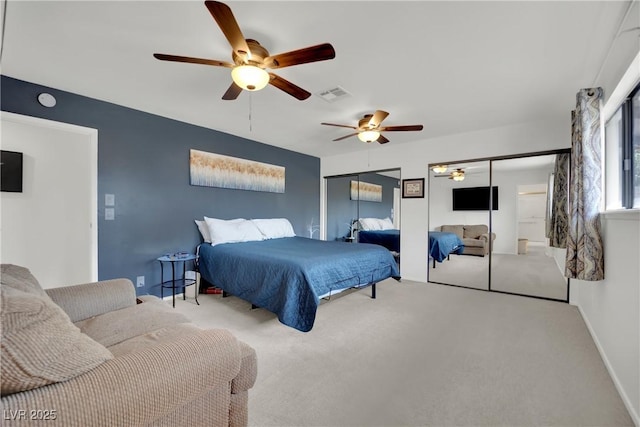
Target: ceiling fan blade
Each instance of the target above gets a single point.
(287, 86)
(382, 140)
(377, 118)
(229, 26)
(232, 93)
(316, 53)
(342, 126)
(398, 128)
(346, 136)
(176, 58)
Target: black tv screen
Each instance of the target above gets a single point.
(474, 199)
(10, 171)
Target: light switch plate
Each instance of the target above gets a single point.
(109, 214)
(109, 199)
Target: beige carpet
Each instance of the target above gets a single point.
(422, 354)
(532, 274)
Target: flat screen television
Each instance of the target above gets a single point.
(474, 199)
(10, 171)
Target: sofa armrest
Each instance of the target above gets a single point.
(485, 237)
(83, 301)
(140, 387)
(246, 378)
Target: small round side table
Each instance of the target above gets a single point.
(177, 283)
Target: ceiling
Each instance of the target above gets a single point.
(452, 66)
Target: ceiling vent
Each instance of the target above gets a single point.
(334, 94)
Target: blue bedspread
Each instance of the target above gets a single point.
(441, 244)
(287, 276)
(390, 239)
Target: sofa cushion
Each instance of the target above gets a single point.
(474, 243)
(120, 325)
(475, 231)
(153, 338)
(39, 344)
(457, 229)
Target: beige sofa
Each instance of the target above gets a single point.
(474, 237)
(93, 355)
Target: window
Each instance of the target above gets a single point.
(622, 155)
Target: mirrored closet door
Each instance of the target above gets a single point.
(459, 224)
(505, 214)
(523, 261)
(365, 208)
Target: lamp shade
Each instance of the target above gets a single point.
(439, 168)
(369, 135)
(250, 77)
(458, 177)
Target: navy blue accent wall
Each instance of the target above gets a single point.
(143, 159)
(341, 209)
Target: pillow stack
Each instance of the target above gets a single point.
(217, 231)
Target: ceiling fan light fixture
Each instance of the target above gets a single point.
(439, 168)
(457, 175)
(368, 135)
(250, 77)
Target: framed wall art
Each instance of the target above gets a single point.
(413, 188)
(216, 170)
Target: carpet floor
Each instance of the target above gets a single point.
(534, 274)
(422, 354)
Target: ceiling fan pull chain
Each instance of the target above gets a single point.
(250, 108)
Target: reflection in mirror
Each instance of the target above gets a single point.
(341, 209)
(365, 208)
(523, 261)
(459, 225)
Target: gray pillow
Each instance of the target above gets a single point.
(39, 344)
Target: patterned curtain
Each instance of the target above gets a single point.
(585, 253)
(559, 221)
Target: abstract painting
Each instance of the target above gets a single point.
(217, 170)
(366, 191)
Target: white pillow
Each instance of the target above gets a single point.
(386, 224)
(232, 231)
(274, 228)
(369, 224)
(204, 230)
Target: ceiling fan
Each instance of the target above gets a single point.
(369, 129)
(251, 59)
(456, 174)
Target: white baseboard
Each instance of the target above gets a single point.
(627, 402)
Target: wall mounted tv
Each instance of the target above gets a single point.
(10, 171)
(474, 199)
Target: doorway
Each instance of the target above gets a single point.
(51, 226)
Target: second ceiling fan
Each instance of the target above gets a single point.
(251, 59)
(369, 129)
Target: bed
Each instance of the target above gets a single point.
(442, 244)
(288, 276)
(390, 239)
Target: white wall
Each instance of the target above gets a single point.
(50, 227)
(611, 307)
